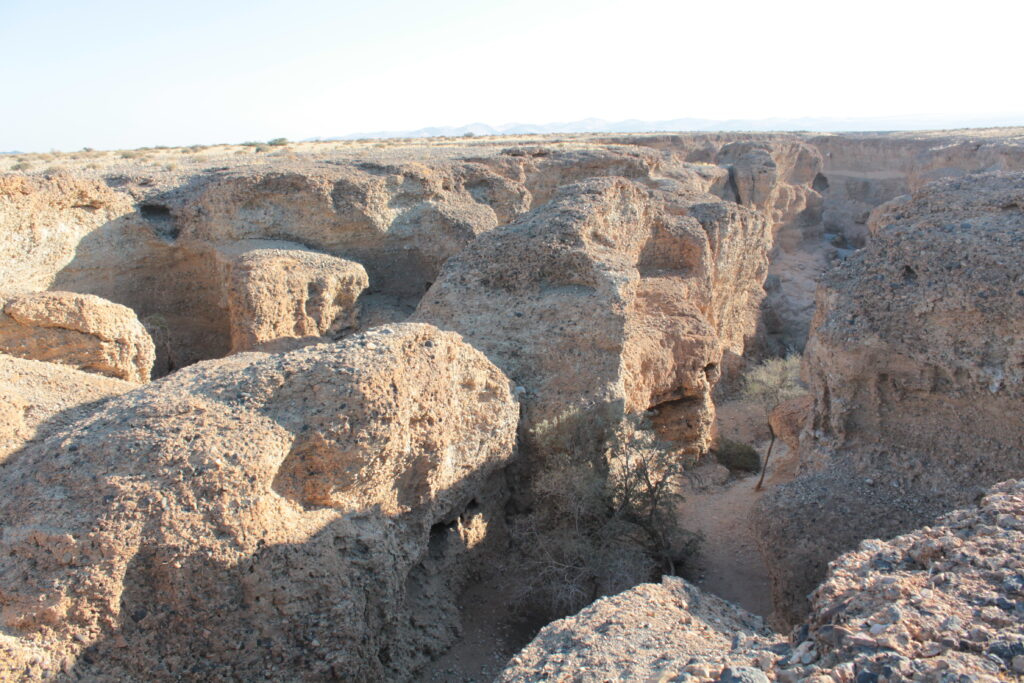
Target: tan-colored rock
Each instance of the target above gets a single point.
(790, 418)
(43, 219)
(916, 365)
(309, 513)
(602, 301)
(652, 632)
(281, 294)
(80, 330)
(37, 398)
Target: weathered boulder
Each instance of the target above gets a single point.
(602, 302)
(303, 514)
(652, 632)
(37, 398)
(80, 330)
(915, 364)
(279, 293)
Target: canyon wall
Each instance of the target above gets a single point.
(916, 365)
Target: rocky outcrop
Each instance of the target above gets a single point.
(43, 220)
(941, 603)
(604, 301)
(38, 398)
(80, 330)
(654, 632)
(789, 419)
(936, 604)
(259, 515)
(278, 293)
(915, 363)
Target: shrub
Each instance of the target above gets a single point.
(737, 456)
(602, 514)
(278, 142)
(21, 166)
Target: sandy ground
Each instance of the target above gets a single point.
(729, 564)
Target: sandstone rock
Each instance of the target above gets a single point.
(601, 302)
(650, 632)
(37, 398)
(260, 515)
(915, 364)
(280, 294)
(80, 330)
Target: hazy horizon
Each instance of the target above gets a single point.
(115, 75)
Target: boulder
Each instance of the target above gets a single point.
(652, 632)
(916, 366)
(259, 515)
(80, 330)
(789, 419)
(279, 294)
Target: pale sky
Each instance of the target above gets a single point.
(112, 74)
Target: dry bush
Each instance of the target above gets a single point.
(737, 456)
(603, 517)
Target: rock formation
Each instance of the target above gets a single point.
(941, 603)
(277, 292)
(259, 515)
(653, 632)
(605, 300)
(37, 398)
(80, 330)
(915, 363)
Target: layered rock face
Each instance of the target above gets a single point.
(608, 300)
(941, 603)
(915, 363)
(305, 514)
(80, 330)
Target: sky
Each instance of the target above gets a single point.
(116, 75)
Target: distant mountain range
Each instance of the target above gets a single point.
(884, 123)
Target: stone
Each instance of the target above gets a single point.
(218, 521)
(79, 330)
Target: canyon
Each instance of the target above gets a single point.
(292, 413)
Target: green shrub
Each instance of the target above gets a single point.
(278, 142)
(737, 456)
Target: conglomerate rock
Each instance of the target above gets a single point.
(943, 603)
(37, 398)
(278, 293)
(80, 330)
(307, 515)
(604, 301)
(916, 365)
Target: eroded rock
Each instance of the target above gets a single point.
(259, 515)
(602, 301)
(280, 293)
(915, 364)
(80, 330)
